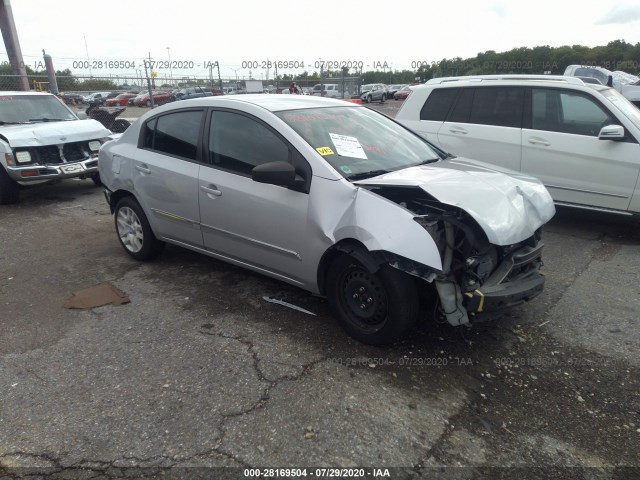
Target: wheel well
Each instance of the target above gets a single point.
(117, 196)
(347, 246)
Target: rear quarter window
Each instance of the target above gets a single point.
(438, 104)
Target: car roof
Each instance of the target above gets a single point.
(272, 103)
(559, 81)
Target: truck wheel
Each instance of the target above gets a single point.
(134, 231)
(96, 180)
(374, 308)
(9, 190)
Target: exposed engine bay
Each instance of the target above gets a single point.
(476, 276)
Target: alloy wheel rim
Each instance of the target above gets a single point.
(130, 230)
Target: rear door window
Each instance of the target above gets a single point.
(499, 106)
(438, 104)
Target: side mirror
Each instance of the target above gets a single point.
(612, 132)
(275, 173)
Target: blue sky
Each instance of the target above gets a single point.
(377, 33)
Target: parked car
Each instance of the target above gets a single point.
(96, 97)
(392, 89)
(627, 84)
(120, 100)
(403, 93)
(580, 139)
(41, 140)
(192, 92)
(329, 90)
(159, 98)
(374, 92)
(334, 198)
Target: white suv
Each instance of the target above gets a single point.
(580, 139)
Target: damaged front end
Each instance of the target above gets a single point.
(478, 279)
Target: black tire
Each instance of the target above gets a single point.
(9, 190)
(134, 232)
(148, 103)
(96, 180)
(374, 308)
(120, 125)
(384, 97)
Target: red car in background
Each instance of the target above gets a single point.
(402, 94)
(121, 100)
(159, 98)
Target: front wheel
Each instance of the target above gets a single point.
(369, 98)
(374, 308)
(134, 231)
(384, 97)
(96, 180)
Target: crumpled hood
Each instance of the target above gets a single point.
(508, 207)
(53, 133)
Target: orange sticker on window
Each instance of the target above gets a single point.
(324, 151)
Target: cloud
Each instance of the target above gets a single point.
(621, 14)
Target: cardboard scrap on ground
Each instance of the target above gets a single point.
(97, 296)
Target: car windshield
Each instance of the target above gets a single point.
(625, 106)
(32, 109)
(359, 142)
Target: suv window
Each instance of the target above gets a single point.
(500, 106)
(567, 112)
(174, 134)
(438, 104)
(238, 143)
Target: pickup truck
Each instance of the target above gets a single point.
(41, 140)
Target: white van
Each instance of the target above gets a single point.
(330, 90)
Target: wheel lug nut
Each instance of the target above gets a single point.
(369, 300)
(362, 289)
(355, 295)
(363, 306)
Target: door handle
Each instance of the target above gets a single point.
(211, 189)
(458, 130)
(538, 141)
(143, 168)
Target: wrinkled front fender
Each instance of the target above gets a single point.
(380, 224)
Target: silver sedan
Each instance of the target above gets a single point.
(334, 198)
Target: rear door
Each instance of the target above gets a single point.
(560, 146)
(485, 124)
(165, 176)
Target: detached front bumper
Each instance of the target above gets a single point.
(483, 303)
(27, 174)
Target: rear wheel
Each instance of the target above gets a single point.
(134, 231)
(9, 190)
(374, 308)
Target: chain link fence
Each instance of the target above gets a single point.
(73, 87)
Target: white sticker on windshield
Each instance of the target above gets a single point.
(348, 146)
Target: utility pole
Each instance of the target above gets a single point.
(219, 79)
(148, 79)
(12, 45)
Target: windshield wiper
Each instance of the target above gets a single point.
(47, 119)
(372, 173)
(2, 122)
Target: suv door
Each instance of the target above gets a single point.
(165, 176)
(560, 146)
(258, 225)
(483, 123)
